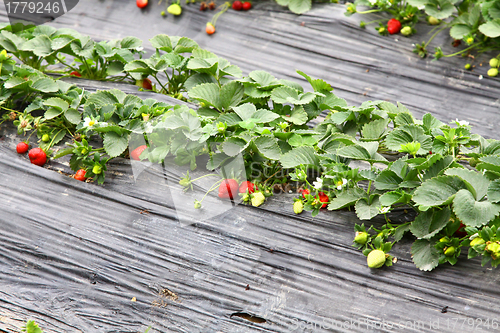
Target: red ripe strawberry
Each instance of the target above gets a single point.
(22, 147)
(228, 189)
(393, 26)
(37, 156)
(141, 3)
(80, 175)
(304, 192)
(247, 185)
(237, 5)
(323, 198)
(136, 153)
(247, 5)
(75, 73)
(144, 83)
(460, 232)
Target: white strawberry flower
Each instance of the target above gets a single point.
(318, 184)
(384, 210)
(88, 122)
(341, 184)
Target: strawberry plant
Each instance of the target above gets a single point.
(474, 22)
(448, 176)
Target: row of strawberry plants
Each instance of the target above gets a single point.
(473, 22)
(266, 121)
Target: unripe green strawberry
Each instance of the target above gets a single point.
(406, 31)
(376, 259)
(467, 66)
(197, 204)
(494, 62)
(97, 169)
(381, 30)
(361, 237)
(473, 162)
(432, 20)
(298, 207)
(449, 251)
(493, 72)
(258, 199)
(184, 182)
(476, 241)
(445, 239)
(45, 138)
(174, 9)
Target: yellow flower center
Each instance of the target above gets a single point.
(91, 123)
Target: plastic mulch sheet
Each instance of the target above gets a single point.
(78, 257)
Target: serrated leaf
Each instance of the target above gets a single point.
(474, 213)
(282, 94)
(233, 146)
(374, 129)
(438, 191)
(366, 211)
(430, 122)
(440, 9)
(429, 223)
(198, 78)
(299, 156)
(73, 116)
(424, 255)
(491, 28)
(40, 46)
(231, 94)
(131, 43)
(346, 198)
(115, 144)
(207, 93)
(57, 103)
(45, 85)
(299, 6)
(268, 146)
(394, 197)
(298, 116)
(407, 134)
(494, 191)
(476, 182)
(262, 78)
(459, 31)
(102, 98)
(404, 118)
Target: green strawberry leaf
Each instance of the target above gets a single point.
(494, 191)
(366, 211)
(476, 182)
(207, 93)
(233, 146)
(299, 156)
(268, 146)
(438, 191)
(407, 134)
(474, 213)
(347, 198)
(115, 144)
(231, 94)
(429, 223)
(491, 28)
(375, 129)
(424, 255)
